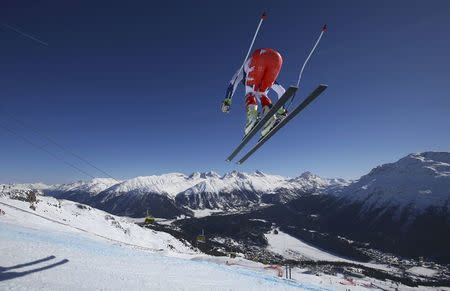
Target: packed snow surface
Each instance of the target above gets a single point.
(75, 262)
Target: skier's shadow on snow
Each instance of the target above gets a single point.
(5, 273)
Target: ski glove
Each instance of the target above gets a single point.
(226, 105)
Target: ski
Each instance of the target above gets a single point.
(291, 115)
(283, 99)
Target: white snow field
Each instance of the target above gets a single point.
(293, 248)
(421, 271)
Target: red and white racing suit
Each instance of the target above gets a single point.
(259, 75)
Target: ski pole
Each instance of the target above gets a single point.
(263, 16)
(324, 29)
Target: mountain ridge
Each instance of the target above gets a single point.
(415, 182)
(180, 193)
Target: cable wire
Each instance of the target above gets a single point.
(65, 149)
(27, 35)
(18, 136)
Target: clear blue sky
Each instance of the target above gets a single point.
(136, 86)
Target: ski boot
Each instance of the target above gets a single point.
(252, 118)
(273, 121)
(282, 113)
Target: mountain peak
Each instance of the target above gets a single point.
(210, 174)
(441, 157)
(195, 175)
(308, 175)
(231, 174)
(259, 173)
(204, 175)
(417, 165)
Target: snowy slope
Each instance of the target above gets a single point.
(82, 218)
(71, 262)
(68, 246)
(417, 180)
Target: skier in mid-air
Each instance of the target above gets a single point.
(259, 74)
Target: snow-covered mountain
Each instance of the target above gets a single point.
(237, 189)
(417, 181)
(401, 207)
(174, 194)
(91, 187)
(167, 184)
(80, 191)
